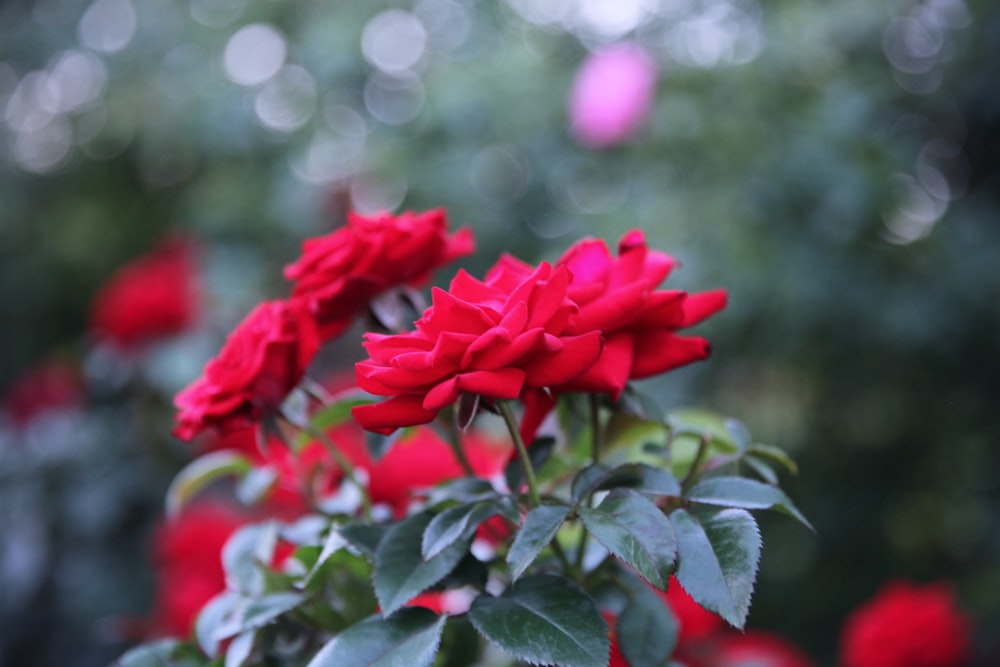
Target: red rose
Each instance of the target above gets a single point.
(754, 649)
(618, 296)
(260, 363)
(492, 338)
(151, 297)
(906, 625)
(340, 273)
(188, 563)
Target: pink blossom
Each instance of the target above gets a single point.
(612, 95)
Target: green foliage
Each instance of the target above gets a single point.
(409, 638)
(544, 619)
(538, 529)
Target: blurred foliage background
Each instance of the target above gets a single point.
(834, 165)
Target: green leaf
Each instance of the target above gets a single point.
(246, 553)
(262, 610)
(538, 453)
(333, 543)
(463, 490)
(210, 620)
(544, 619)
(635, 530)
(455, 523)
(409, 638)
(255, 485)
(400, 571)
(540, 525)
(776, 455)
(364, 537)
(200, 473)
(762, 468)
(586, 481)
(638, 476)
(156, 654)
(718, 559)
(240, 649)
(647, 629)
(738, 433)
(746, 494)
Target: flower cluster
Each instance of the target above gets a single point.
(449, 517)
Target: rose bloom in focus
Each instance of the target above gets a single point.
(152, 297)
(493, 338)
(612, 95)
(907, 625)
(339, 274)
(263, 359)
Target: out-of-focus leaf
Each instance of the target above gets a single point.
(201, 472)
(364, 537)
(539, 527)
(646, 629)
(409, 638)
(544, 619)
(240, 649)
(262, 610)
(636, 531)
(717, 560)
(586, 480)
(744, 493)
(776, 455)
(637, 476)
(400, 572)
(255, 485)
(246, 552)
(211, 619)
(332, 415)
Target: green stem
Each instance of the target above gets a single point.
(597, 434)
(341, 461)
(454, 441)
(522, 452)
(703, 443)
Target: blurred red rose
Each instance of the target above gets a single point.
(187, 560)
(696, 623)
(340, 273)
(907, 625)
(492, 338)
(153, 296)
(52, 385)
(618, 297)
(753, 648)
(263, 359)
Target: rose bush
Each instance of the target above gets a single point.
(386, 547)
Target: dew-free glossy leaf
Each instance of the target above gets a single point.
(540, 525)
(364, 537)
(717, 560)
(264, 609)
(544, 619)
(240, 649)
(635, 530)
(744, 493)
(200, 473)
(246, 551)
(400, 571)
(637, 476)
(586, 481)
(776, 455)
(409, 638)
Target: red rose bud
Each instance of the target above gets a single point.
(152, 297)
(492, 338)
(906, 625)
(263, 359)
(340, 273)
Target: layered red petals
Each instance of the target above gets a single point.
(494, 338)
(339, 274)
(263, 359)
